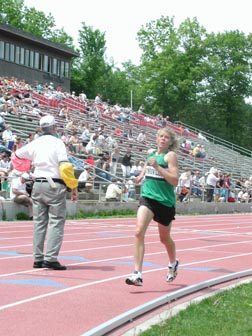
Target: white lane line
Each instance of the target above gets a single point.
(38, 297)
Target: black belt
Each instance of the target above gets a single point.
(43, 179)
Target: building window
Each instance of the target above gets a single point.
(37, 63)
(7, 52)
(66, 70)
(45, 63)
(1, 49)
(17, 55)
(27, 57)
(12, 53)
(22, 56)
(54, 66)
(31, 58)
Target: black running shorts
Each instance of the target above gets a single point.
(162, 214)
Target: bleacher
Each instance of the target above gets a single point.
(224, 156)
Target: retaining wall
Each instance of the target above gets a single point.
(9, 209)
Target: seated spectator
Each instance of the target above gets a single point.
(91, 146)
(64, 112)
(5, 164)
(114, 191)
(85, 136)
(185, 185)
(2, 123)
(141, 138)
(100, 169)
(202, 137)
(136, 168)
(130, 186)
(35, 111)
(85, 180)
(8, 137)
(75, 143)
(19, 194)
(196, 151)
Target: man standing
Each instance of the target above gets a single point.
(53, 174)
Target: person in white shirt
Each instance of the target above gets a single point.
(113, 192)
(212, 179)
(85, 179)
(19, 194)
(141, 137)
(53, 175)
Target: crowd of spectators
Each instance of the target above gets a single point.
(107, 145)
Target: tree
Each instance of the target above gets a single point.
(33, 21)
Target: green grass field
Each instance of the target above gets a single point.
(228, 313)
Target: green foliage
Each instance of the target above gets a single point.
(22, 216)
(201, 79)
(102, 214)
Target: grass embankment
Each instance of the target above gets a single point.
(227, 313)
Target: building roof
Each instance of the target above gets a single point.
(12, 31)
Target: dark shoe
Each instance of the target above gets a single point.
(55, 265)
(38, 264)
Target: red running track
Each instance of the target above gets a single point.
(98, 252)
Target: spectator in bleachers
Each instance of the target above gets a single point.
(19, 194)
(126, 164)
(85, 180)
(18, 143)
(202, 137)
(3, 148)
(100, 169)
(85, 135)
(13, 105)
(36, 111)
(2, 123)
(65, 137)
(98, 99)
(203, 185)
(141, 138)
(37, 133)
(141, 109)
(3, 104)
(114, 159)
(75, 143)
(196, 151)
(90, 161)
(8, 137)
(218, 189)
(136, 168)
(114, 191)
(29, 138)
(227, 185)
(131, 189)
(92, 145)
(212, 179)
(111, 142)
(82, 97)
(196, 190)
(64, 112)
(240, 183)
(185, 185)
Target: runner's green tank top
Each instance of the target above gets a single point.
(155, 186)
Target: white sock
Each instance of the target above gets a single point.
(173, 264)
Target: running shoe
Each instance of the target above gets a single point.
(134, 280)
(172, 272)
